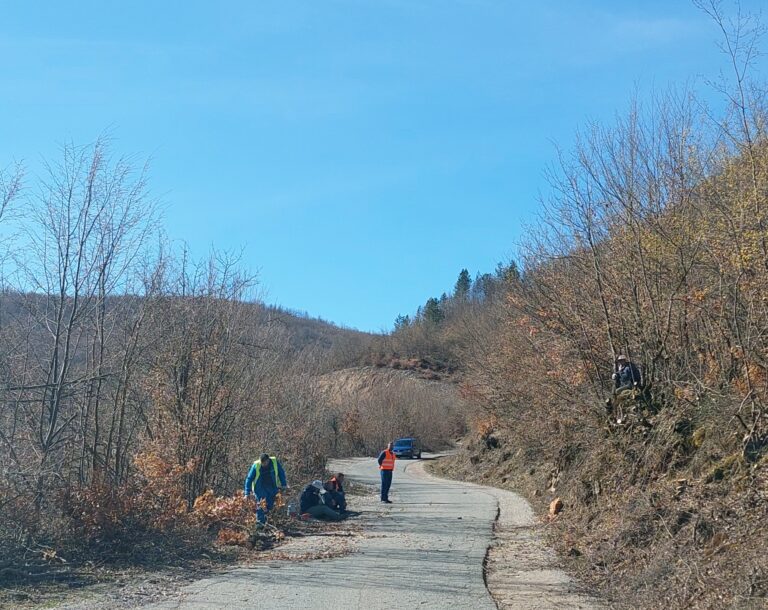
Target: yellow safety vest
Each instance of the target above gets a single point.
(257, 464)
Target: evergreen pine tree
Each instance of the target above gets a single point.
(433, 313)
(463, 284)
(402, 322)
(508, 272)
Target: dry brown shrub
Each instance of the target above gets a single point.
(210, 509)
(151, 500)
(486, 425)
(232, 537)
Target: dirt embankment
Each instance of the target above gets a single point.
(669, 543)
(367, 382)
(374, 405)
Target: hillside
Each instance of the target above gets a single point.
(364, 382)
(376, 405)
(653, 245)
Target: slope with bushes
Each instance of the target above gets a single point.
(653, 243)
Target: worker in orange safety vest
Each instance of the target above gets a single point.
(386, 466)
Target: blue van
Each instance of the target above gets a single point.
(407, 447)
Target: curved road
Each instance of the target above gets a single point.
(426, 550)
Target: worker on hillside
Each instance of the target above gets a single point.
(314, 501)
(627, 375)
(335, 489)
(265, 479)
(386, 466)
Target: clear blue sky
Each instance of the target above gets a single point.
(362, 151)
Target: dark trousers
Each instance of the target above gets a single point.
(321, 511)
(386, 483)
(339, 500)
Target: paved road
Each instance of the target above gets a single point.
(424, 551)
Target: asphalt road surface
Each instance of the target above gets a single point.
(426, 550)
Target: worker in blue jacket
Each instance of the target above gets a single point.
(265, 479)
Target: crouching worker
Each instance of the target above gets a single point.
(313, 501)
(334, 487)
(265, 479)
(626, 376)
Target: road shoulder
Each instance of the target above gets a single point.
(520, 570)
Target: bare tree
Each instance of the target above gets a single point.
(86, 225)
